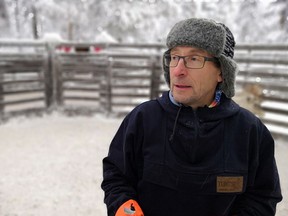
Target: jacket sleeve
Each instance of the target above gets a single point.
(121, 166)
(263, 193)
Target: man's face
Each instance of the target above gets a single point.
(193, 87)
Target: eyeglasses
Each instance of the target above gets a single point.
(191, 61)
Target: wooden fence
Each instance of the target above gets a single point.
(111, 78)
(114, 78)
(24, 77)
(264, 69)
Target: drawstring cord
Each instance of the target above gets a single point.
(216, 102)
(175, 124)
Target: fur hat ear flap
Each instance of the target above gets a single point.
(166, 68)
(229, 70)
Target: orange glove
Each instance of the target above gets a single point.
(129, 208)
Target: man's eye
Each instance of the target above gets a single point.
(174, 57)
(194, 58)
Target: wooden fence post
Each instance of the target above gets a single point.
(1, 95)
(58, 82)
(48, 75)
(106, 88)
(109, 85)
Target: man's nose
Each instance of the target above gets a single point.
(180, 69)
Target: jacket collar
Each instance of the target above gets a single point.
(225, 109)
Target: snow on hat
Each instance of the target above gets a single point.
(213, 37)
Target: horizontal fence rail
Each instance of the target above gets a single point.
(114, 78)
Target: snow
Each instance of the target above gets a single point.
(105, 37)
(52, 165)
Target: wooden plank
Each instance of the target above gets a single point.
(68, 88)
(250, 60)
(268, 47)
(94, 71)
(81, 98)
(21, 56)
(130, 95)
(23, 91)
(22, 43)
(274, 109)
(277, 98)
(81, 80)
(266, 84)
(264, 73)
(5, 103)
(8, 82)
(130, 86)
(115, 104)
(131, 66)
(274, 121)
(139, 77)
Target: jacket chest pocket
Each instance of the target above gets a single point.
(195, 182)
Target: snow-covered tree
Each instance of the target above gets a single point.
(141, 20)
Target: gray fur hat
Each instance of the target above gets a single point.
(213, 37)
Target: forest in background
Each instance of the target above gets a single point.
(140, 21)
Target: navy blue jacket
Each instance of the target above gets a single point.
(179, 161)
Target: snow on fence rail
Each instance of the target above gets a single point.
(114, 78)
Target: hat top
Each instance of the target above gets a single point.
(205, 34)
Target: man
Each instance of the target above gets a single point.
(193, 151)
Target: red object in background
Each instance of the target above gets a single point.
(97, 49)
(86, 49)
(66, 48)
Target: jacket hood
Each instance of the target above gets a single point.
(225, 109)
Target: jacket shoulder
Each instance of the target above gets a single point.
(247, 117)
(146, 110)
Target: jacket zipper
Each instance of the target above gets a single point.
(195, 140)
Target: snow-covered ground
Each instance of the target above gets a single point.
(53, 165)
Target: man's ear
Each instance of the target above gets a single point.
(220, 78)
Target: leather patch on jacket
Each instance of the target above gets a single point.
(229, 184)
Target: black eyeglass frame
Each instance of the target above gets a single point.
(168, 56)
